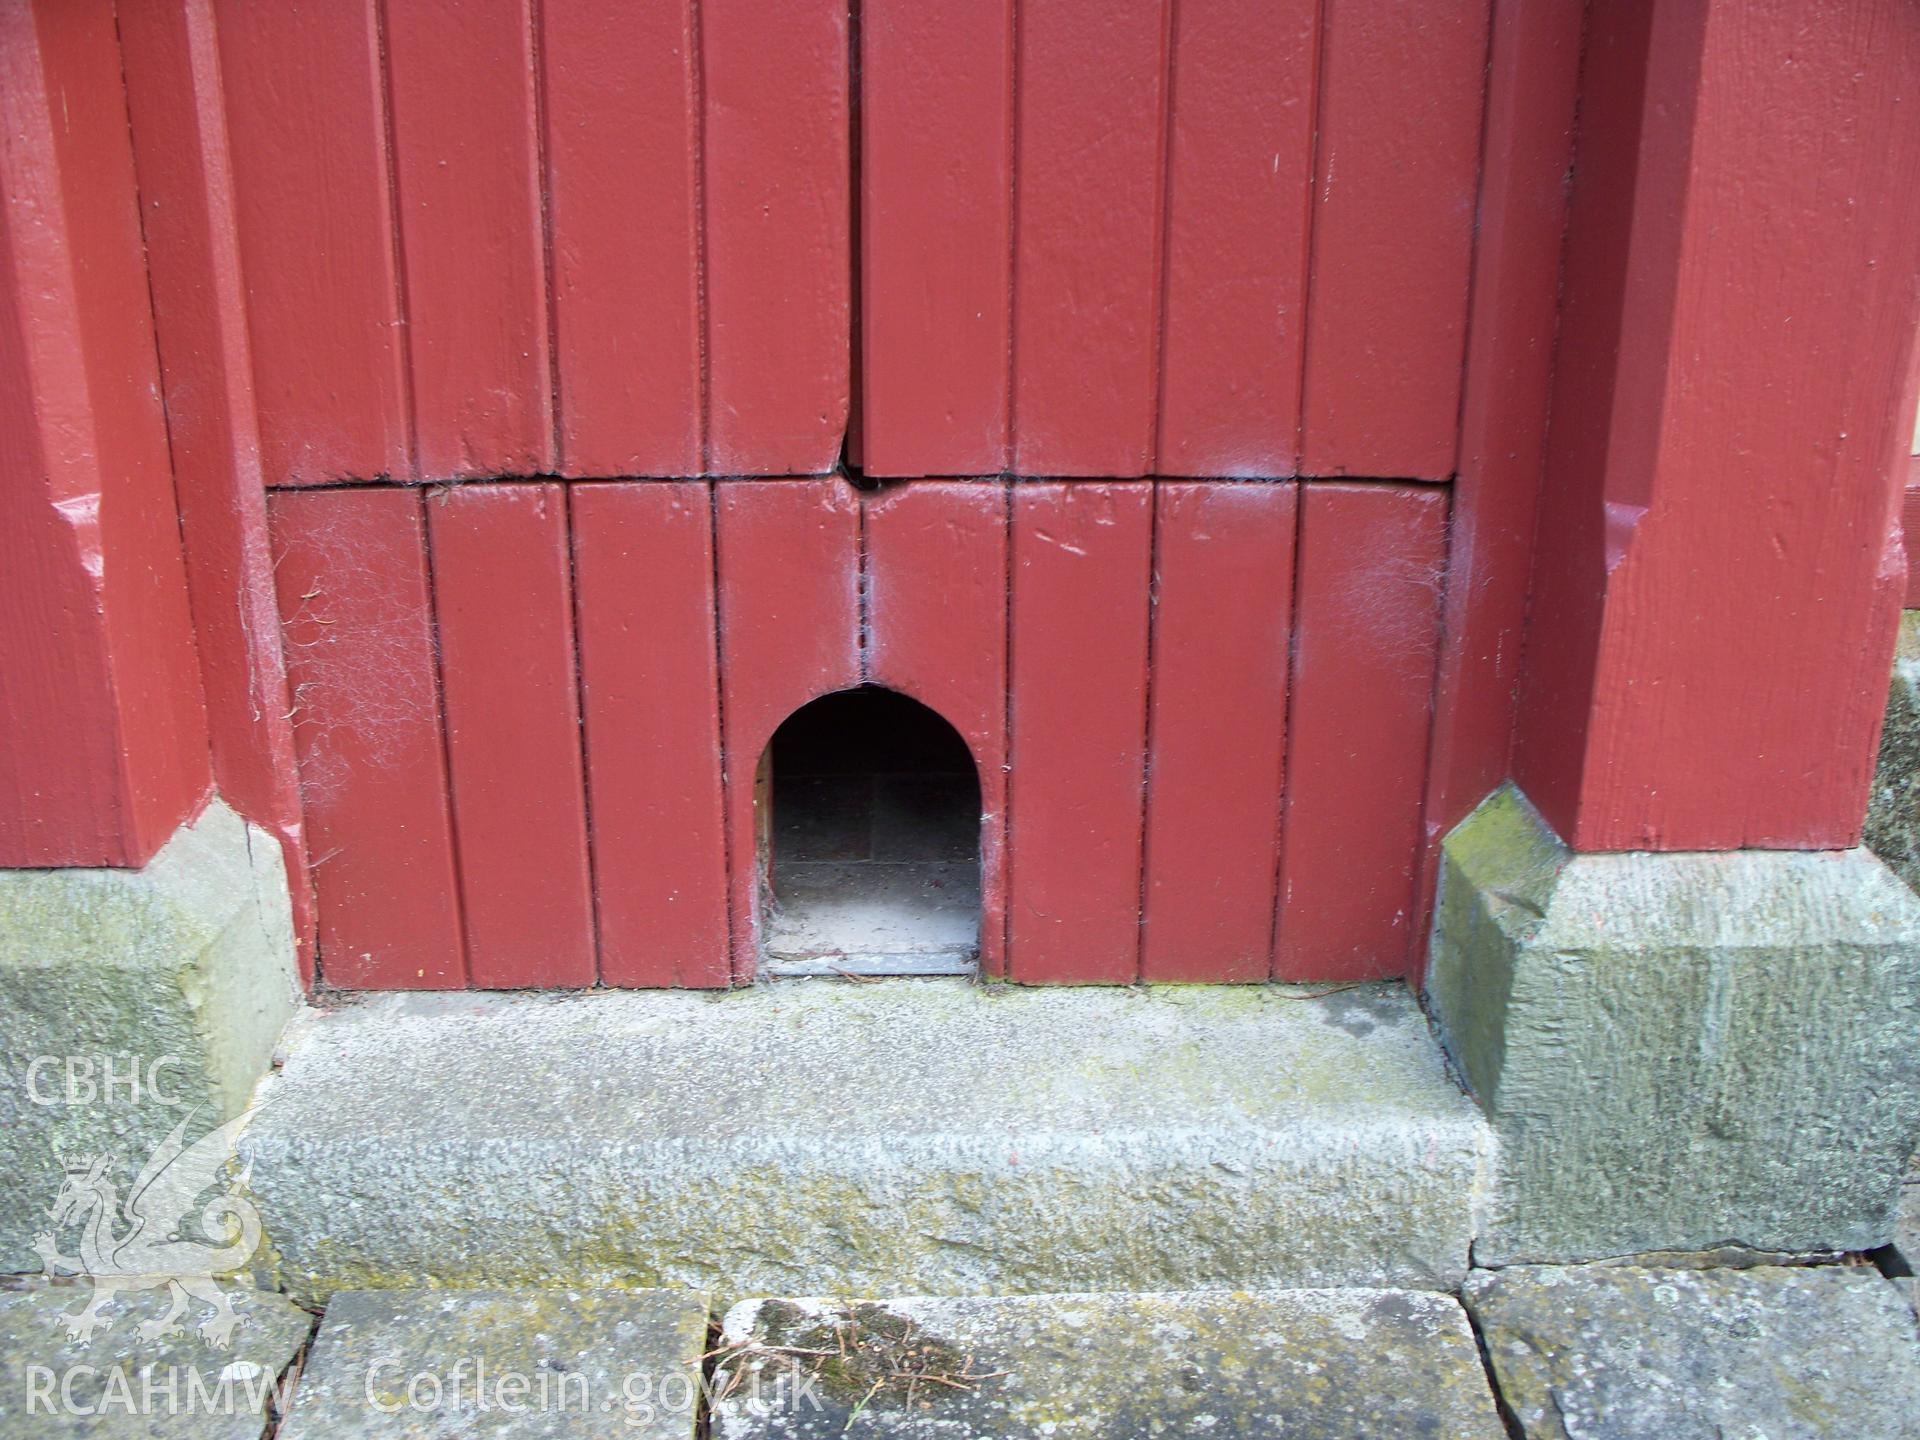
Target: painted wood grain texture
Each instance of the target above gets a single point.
(643, 578)
(1087, 246)
(350, 570)
(179, 131)
(623, 162)
(778, 206)
(312, 204)
(788, 564)
(936, 143)
(936, 584)
(1371, 564)
(1717, 590)
(1394, 190)
(1240, 169)
(1223, 593)
(103, 734)
(503, 599)
(468, 185)
(1081, 560)
(1533, 84)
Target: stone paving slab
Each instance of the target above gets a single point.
(526, 1364)
(917, 1137)
(1620, 1353)
(1303, 1364)
(126, 1381)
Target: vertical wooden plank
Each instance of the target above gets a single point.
(1240, 161)
(788, 560)
(1087, 248)
(103, 733)
(177, 121)
(1372, 562)
(502, 595)
(1395, 181)
(350, 571)
(778, 243)
(936, 580)
(1223, 587)
(623, 160)
(643, 578)
(936, 143)
(1081, 564)
(312, 207)
(467, 178)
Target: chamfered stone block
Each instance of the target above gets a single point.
(1679, 1051)
(1623, 1353)
(134, 999)
(1893, 812)
(1298, 1364)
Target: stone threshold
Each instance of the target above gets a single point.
(911, 1137)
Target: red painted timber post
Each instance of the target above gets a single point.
(103, 731)
(177, 108)
(1719, 568)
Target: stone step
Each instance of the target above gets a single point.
(899, 1137)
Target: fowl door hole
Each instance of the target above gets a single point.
(869, 824)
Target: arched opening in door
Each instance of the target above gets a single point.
(869, 809)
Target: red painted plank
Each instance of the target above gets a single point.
(305, 113)
(1087, 245)
(103, 738)
(350, 570)
(937, 620)
(1395, 182)
(643, 578)
(935, 146)
(788, 561)
(1081, 561)
(778, 214)
(1371, 565)
(1718, 585)
(1223, 585)
(502, 596)
(1533, 85)
(179, 135)
(467, 180)
(623, 160)
(1240, 172)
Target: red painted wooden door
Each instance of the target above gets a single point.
(1154, 313)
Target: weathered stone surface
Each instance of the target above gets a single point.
(454, 1364)
(1616, 1353)
(1679, 1051)
(917, 1136)
(1893, 812)
(1906, 1244)
(120, 1384)
(1303, 1364)
(184, 969)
